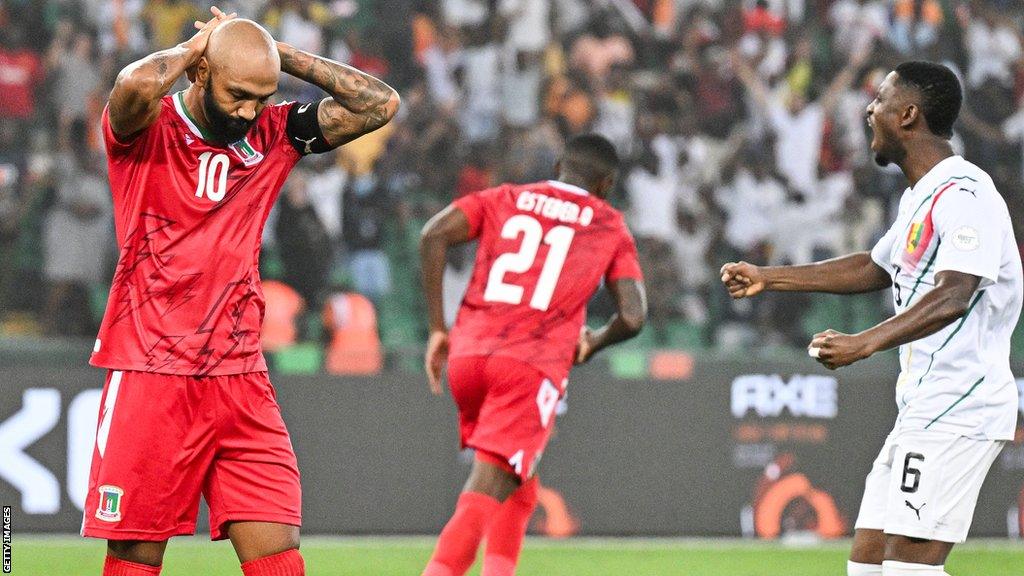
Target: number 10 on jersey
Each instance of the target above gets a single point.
(558, 238)
(213, 176)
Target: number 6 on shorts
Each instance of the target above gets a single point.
(909, 472)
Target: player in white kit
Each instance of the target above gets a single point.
(955, 272)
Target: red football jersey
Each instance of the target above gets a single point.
(189, 215)
(543, 251)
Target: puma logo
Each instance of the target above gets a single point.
(309, 143)
(916, 510)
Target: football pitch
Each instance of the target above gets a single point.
(70, 556)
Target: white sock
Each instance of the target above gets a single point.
(894, 568)
(858, 569)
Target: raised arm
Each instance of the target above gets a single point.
(134, 101)
(851, 274)
(631, 304)
(975, 125)
(447, 228)
(359, 103)
(842, 81)
(758, 88)
(950, 300)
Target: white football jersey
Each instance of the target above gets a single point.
(958, 379)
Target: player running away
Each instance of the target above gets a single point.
(187, 407)
(955, 272)
(543, 251)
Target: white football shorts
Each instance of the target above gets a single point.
(925, 484)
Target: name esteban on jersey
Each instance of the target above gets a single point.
(564, 211)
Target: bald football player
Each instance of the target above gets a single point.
(187, 407)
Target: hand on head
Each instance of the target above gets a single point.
(199, 41)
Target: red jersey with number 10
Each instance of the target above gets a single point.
(189, 215)
(544, 249)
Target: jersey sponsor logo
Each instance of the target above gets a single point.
(246, 153)
(966, 239)
(109, 509)
(304, 107)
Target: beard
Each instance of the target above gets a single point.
(222, 126)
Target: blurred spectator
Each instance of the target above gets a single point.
(740, 123)
(366, 216)
(72, 57)
(993, 44)
(170, 21)
(916, 24)
(21, 72)
(325, 188)
(798, 123)
(77, 237)
(302, 240)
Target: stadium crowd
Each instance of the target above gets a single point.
(742, 122)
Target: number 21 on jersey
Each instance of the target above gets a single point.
(558, 239)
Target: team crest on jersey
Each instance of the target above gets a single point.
(109, 509)
(246, 153)
(914, 237)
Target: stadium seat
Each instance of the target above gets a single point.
(298, 359)
(355, 346)
(685, 335)
(283, 308)
(627, 364)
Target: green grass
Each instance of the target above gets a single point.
(67, 556)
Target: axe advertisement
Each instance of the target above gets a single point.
(742, 447)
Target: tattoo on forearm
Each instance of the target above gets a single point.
(362, 99)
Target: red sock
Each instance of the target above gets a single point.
(505, 538)
(287, 563)
(456, 548)
(117, 567)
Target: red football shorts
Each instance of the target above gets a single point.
(164, 439)
(506, 408)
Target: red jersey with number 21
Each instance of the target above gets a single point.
(189, 215)
(543, 250)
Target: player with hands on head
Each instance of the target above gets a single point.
(544, 249)
(187, 407)
(952, 263)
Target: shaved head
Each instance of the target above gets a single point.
(244, 49)
(237, 75)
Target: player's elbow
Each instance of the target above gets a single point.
(392, 105)
(383, 113)
(134, 84)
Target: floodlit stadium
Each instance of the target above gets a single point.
(495, 287)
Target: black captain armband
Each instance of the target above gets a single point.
(303, 129)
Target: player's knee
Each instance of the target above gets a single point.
(895, 568)
(861, 569)
(140, 552)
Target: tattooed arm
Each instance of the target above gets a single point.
(135, 100)
(359, 103)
